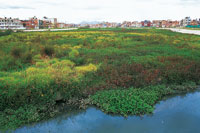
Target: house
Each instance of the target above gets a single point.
(136, 24)
(61, 25)
(10, 23)
(194, 22)
(126, 24)
(70, 25)
(175, 24)
(146, 23)
(156, 23)
(32, 23)
(164, 23)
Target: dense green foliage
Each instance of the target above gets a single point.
(125, 102)
(37, 70)
(5, 33)
(135, 101)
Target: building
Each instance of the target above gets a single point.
(32, 23)
(136, 24)
(169, 23)
(71, 25)
(186, 21)
(41, 24)
(199, 21)
(146, 23)
(164, 23)
(61, 25)
(194, 22)
(175, 24)
(156, 23)
(126, 24)
(10, 23)
(49, 22)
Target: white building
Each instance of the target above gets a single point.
(9, 23)
(136, 24)
(186, 21)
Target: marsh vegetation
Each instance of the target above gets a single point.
(121, 71)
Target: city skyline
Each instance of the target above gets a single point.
(49, 23)
(77, 11)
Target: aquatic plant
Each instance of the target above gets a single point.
(126, 102)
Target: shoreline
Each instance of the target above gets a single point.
(80, 104)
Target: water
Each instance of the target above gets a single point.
(180, 114)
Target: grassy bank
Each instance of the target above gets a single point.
(122, 71)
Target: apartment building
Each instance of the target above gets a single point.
(10, 23)
(186, 21)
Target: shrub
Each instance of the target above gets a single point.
(8, 63)
(27, 57)
(38, 77)
(48, 50)
(5, 33)
(16, 52)
(84, 69)
(37, 58)
(74, 53)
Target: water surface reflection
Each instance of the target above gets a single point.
(180, 114)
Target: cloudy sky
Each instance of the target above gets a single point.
(75, 11)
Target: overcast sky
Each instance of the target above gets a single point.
(75, 11)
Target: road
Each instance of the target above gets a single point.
(50, 30)
(195, 32)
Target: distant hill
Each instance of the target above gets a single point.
(90, 22)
